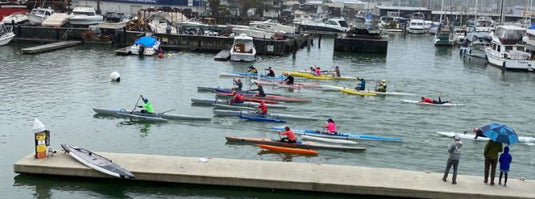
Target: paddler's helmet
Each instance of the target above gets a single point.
(384, 80)
(145, 100)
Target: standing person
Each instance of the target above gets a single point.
(238, 84)
(271, 73)
(260, 90)
(505, 161)
(455, 155)
(290, 135)
(491, 158)
(337, 71)
(330, 127)
(262, 109)
(147, 106)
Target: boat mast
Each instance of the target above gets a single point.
(501, 12)
(441, 11)
(475, 15)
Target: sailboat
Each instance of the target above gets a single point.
(444, 35)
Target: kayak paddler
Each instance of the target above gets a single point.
(237, 97)
(262, 108)
(290, 135)
(238, 84)
(260, 90)
(431, 101)
(361, 85)
(289, 80)
(317, 71)
(478, 132)
(147, 106)
(271, 73)
(381, 86)
(337, 71)
(252, 69)
(330, 127)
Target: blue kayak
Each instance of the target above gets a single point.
(341, 135)
(260, 119)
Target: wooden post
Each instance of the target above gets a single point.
(124, 35)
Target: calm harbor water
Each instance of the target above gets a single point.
(61, 87)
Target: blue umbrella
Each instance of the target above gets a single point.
(500, 133)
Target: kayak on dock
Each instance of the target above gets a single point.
(471, 136)
(97, 162)
(341, 135)
(267, 98)
(213, 102)
(260, 118)
(288, 149)
(251, 75)
(448, 104)
(278, 116)
(299, 144)
(320, 77)
(156, 117)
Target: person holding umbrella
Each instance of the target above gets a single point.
(497, 134)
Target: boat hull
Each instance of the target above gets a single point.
(510, 64)
(157, 117)
(288, 149)
(278, 116)
(6, 38)
(97, 162)
(299, 144)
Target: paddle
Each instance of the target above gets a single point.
(136, 104)
(167, 111)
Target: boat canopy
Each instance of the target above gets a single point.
(146, 41)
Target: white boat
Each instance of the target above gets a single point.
(16, 17)
(475, 46)
(459, 34)
(56, 20)
(84, 16)
(6, 34)
(243, 49)
(331, 25)
(161, 24)
(148, 45)
(417, 24)
(272, 26)
(444, 36)
(38, 15)
(113, 20)
(507, 49)
(327, 140)
(238, 30)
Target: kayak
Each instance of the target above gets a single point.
(244, 104)
(471, 136)
(299, 144)
(97, 162)
(248, 99)
(231, 107)
(355, 92)
(251, 75)
(266, 98)
(280, 84)
(278, 116)
(320, 77)
(337, 88)
(328, 140)
(288, 149)
(260, 119)
(341, 135)
(157, 117)
(431, 104)
(226, 90)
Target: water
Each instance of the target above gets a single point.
(61, 87)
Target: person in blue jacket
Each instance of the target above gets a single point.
(505, 161)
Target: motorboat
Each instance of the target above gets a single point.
(475, 46)
(272, 26)
(17, 17)
(444, 36)
(6, 34)
(243, 49)
(56, 20)
(160, 24)
(146, 46)
(113, 20)
(252, 32)
(507, 49)
(417, 24)
(459, 34)
(38, 15)
(331, 25)
(84, 16)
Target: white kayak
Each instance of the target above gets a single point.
(448, 104)
(391, 93)
(97, 162)
(327, 140)
(471, 136)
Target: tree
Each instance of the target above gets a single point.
(214, 6)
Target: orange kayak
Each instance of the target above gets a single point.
(288, 149)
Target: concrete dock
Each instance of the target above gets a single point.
(223, 55)
(283, 175)
(50, 47)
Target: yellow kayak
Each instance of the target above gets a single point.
(355, 92)
(321, 77)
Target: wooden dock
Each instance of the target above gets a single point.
(223, 55)
(50, 47)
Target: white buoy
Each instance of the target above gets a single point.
(115, 76)
(38, 126)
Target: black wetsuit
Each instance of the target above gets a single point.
(238, 84)
(260, 90)
(271, 73)
(289, 80)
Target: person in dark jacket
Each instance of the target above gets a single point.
(491, 159)
(453, 160)
(505, 161)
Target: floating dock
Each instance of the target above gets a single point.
(123, 51)
(283, 175)
(50, 47)
(223, 55)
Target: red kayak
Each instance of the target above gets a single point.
(288, 149)
(249, 99)
(267, 98)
